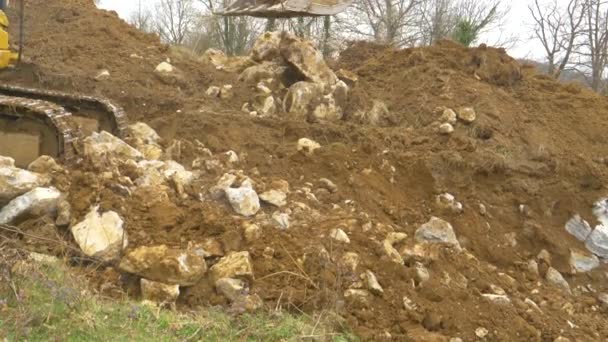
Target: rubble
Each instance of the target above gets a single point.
(166, 265)
(579, 228)
(448, 116)
(15, 181)
(236, 265)
(339, 235)
(597, 241)
(555, 278)
(244, 201)
(101, 235)
(231, 288)
(448, 202)
(308, 146)
(99, 146)
(159, 292)
(281, 220)
(45, 165)
(583, 262)
(467, 115)
(446, 129)
(275, 197)
(372, 283)
(437, 231)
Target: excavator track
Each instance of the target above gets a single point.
(37, 122)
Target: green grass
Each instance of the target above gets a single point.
(44, 303)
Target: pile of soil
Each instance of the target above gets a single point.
(533, 158)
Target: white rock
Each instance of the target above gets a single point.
(582, 262)
(176, 171)
(244, 200)
(159, 292)
(555, 278)
(275, 197)
(233, 158)
(213, 91)
(339, 235)
(372, 283)
(101, 235)
(45, 165)
(481, 332)
(446, 129)
(600, 210)
(35, 202)
(497, 299)
(390, 250)
(422, 273)
(268, 107)
(437, 231)
(224, 183)
(447, 201)
(101, 145)
(308, 146)
(236, 265)
(15, 181)
(329, 185)
(301, 98)
(102, 75)
(281, 220)
(226, 92)
(578, 227)
(7, 161)
(597, 242)
(448, 116)
(467, 115)
(164, 67)
(231, 288)
(144, 133)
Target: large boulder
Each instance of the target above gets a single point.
(263, 71)
(302, 55)
(302, 98)
(15, 181)
(236, 265)
(101, 235)
(166, 265)
(102, 145)
(437, 231)
(266, 47)
(144, 133)
(35, 202)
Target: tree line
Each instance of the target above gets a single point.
(573, 33)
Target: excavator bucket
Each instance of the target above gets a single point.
(285, 8)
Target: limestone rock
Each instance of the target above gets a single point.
(235, 265)
(252, 232)
(327, 111)
(437, 231)
(372, 283)
(164, 67)
(231, 288)
(167, 265)
(555, 278)
(15, 181)
(266, 70)
(64, 214)
(578, 227)
(100, 145)
(329, 185)
(45, 165)
(244, 201)
(302, 97)
(281, 220)
(213, 91)
(275, 197)
(102, 75)
(448, 116)
(421, 273)
(36, 202)
(497, 299)
(597, 241)
(446, 128)
(390, 250)
(226, 92)
(583, 262)
(467, 115)
(101, 235)
(447, 201)
(265, 106)
(308, 146)
(266, 47)
(309, 61)
(481, 332)
(339, 235)
(143, 133)
(158, 292)
(350, 261)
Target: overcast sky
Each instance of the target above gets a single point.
(517, 25)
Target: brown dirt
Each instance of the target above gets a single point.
(535, 142)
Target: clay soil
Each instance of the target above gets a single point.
(536, 142)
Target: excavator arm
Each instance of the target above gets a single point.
(285, 8)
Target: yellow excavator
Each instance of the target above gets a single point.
(36, 122)
(285, 8)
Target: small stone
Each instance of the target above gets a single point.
(226, 92)
(544, 257)
(350, 261)
(437, 231)
(446, 129)
(159, 292)
(308, 146)
(583, 262)
(267, 107)
(555, 278)
(421, 273)
(561, 339)
(329, 185)
(482, 210)
(447, 201)
(497, 299)
(244, 201)
(252, 232)
(372, 283)
(274, 197)
(212, 248)
(213, 91)
(409, 304)
(603, 298)
(281, 220)
(448, 116)
(481, 332)
(164, 67)
(102, 75)
(64, 214)
(231, 288)
(235, 265)
(389, 249)
(268, 253)
(339, 235)
(533, 268)
(467, 115)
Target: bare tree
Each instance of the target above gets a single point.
(437, 20)
(174, 20)
(141, 18)
(593, 54)
(558, 30)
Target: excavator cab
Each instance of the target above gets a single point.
(285, 8)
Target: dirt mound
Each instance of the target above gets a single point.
(68, 43)
(532, 158)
